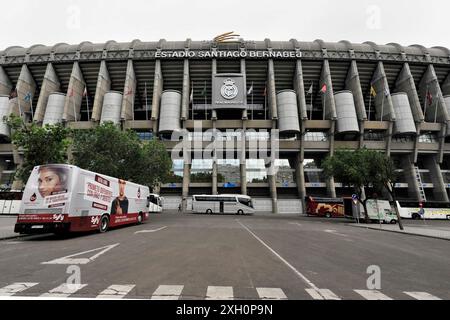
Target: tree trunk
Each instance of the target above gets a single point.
(394, 198)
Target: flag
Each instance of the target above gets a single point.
(191, 97)
(324, 88)
(310, 90)
(85, 92)
(250, 91)
(386, 92)
(28, 97)
(429, 98)
(13, 94)
(265, 92)
(203, 94)
(373, 93)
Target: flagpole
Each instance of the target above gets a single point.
(206, 111)
(382, 105)
(253, 106)
(426, 103)
(324, 103)
(146, 102)
(192, 91)
(87, 106)
(312, 107)
(370, 101)
(435, 110)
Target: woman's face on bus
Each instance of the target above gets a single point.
(49, 182)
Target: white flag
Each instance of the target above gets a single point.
(310, 90)
(250, 91)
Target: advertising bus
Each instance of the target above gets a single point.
(432, 210)
(226, 203)
(325, 207)
(65, 198)
(377, 210)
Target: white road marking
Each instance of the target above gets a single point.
(150, 231)
(322, 294)
(372, 295)
(16, 288)
(64, 290)
(167, 293)
(271, 294)
(219, 293)
(295, 224)
(335, 232)
(422, 296)
(116, 291)
(298, 273)
(71, 261)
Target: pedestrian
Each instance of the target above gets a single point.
(422, 211)
(179, 207)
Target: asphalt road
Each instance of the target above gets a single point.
(198, 256)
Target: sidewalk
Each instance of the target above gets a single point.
(422, 231)
(7, 227)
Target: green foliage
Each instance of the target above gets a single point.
(111, 151)
(360, 169)
(40, 145)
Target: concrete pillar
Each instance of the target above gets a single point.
(328, 97)
(103, 86)
(129, 93)
(50, 84)
(157, 92)
(186, 171)
(439, 190)
(272, 176)
(383, 101)
(186, 91)
(300, 176)
(410, 175)
(353, 84)
(243, 146)
(25, 86)
(299, 86)
(437, 110)
(18, 161)
(389, 138)
(442, 136)
(74, 95)
(5, 84)
(331, 186)
(405, 83)
(271, 91)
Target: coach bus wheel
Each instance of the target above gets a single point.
(209, 211)
(415, 216)
(240, 212)
(104, 224)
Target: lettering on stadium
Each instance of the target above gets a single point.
(227, 54)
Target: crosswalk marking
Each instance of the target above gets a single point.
(64, 290)
(372, 295)
(322, 294)
(116, 291)
(271, 294)
(421, 295)
(167, 293)
(219, 293)
(16, 288)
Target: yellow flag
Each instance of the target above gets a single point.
(373, 92)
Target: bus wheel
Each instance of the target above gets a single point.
(140, 218)
(240, 212)
(415, 216)
(328, 215)
(209, 211)
(104, 224)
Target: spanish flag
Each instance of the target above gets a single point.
(372, 91)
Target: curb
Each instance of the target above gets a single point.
(403, 232)
(13, 237)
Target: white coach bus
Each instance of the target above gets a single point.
(65, 198)
(225, 203)
(432, 210)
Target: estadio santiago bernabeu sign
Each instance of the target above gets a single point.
(227, 54)
(228, 91)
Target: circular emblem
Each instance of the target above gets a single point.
(33, 197)
(229, 90)
(139, 193)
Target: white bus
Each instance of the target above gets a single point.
(65, 198)
(225, 203)
(433, 210)
(156, 203)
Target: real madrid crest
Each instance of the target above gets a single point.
(229, 90)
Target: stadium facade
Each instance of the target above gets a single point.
(319, 96)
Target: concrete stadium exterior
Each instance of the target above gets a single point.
(321, 96)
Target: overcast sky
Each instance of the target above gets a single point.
(48, 22)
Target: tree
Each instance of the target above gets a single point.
(363, 169)
(113, 152)
(40, 145)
